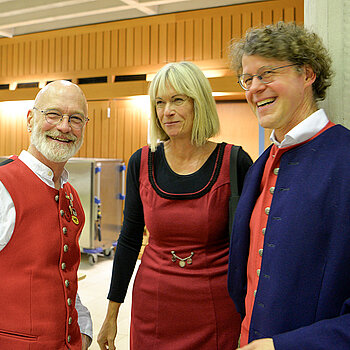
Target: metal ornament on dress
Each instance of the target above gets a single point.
(182, 261)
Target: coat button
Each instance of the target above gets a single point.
(65, 248)
(63, 266)
(66, 282)
(69, 301)
(261, 252)
(267, 210)
(263, 231)
(258, 272)
(272, 190)
(57, 197)
(64, 230)
(70, 320)
(62, 212)
(276, 170)
(69, 338)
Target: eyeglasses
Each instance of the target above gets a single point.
(54, 117)
(265, 75)
(176, 101)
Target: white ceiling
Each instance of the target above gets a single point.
(19, 17)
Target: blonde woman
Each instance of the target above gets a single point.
(179, 187)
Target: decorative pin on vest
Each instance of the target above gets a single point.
(73, 212)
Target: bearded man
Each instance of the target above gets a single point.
(41, 218)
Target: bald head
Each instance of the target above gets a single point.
(61, 93)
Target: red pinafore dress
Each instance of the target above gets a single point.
(184, 304)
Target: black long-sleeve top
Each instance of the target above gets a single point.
(131, 236)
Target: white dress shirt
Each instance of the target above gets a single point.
(308, 128)
(8, 219)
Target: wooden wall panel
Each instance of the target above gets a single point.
(120, 115)
(85, 55)
(137, 46)
(45, 64)
(180, 41)
(92, 51)
(189, 40)
(117, 136)
(121, 47)
(106, 49)
(130, 47)
(163, 43)
(171, 42)
(13, 130)
(154, 44)
(145, 48)
(58, 55)
(217, 42)
(238, 126)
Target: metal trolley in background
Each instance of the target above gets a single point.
(100, 184)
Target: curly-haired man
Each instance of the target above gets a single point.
(289, 255)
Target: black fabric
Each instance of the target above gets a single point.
(184, 187)
(131, 236)
(7, 161)
(235, 194)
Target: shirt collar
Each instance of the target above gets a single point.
(308, 128)
(44, 173)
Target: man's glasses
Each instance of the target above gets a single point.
(54, 117)
(265, 75)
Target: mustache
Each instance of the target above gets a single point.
(57, 134)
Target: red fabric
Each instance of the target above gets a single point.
(258, 222)
(185, 308)
(34, 313)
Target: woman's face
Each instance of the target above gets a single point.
(175, 113)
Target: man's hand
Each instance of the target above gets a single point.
(261, 344)
(86, 341)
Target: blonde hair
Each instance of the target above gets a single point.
(187, 79)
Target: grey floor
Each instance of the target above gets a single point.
(93, 291)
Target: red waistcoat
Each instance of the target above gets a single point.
(38, 266)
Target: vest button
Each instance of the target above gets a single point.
(258, 272)
(255, 293)
(261, 252)
(276, 170)
(63, 266)
(272, 190)
(65, 248)
(64, 230)
(66, 282)
(62, 212)
(267, 210)
(70, 320)
(69, 301)
(57, 197)
(69, 338)
(263, 231)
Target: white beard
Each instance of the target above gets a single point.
(57, 152)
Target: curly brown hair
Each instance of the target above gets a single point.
(287, 42)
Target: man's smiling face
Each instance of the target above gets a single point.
(58, 143)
